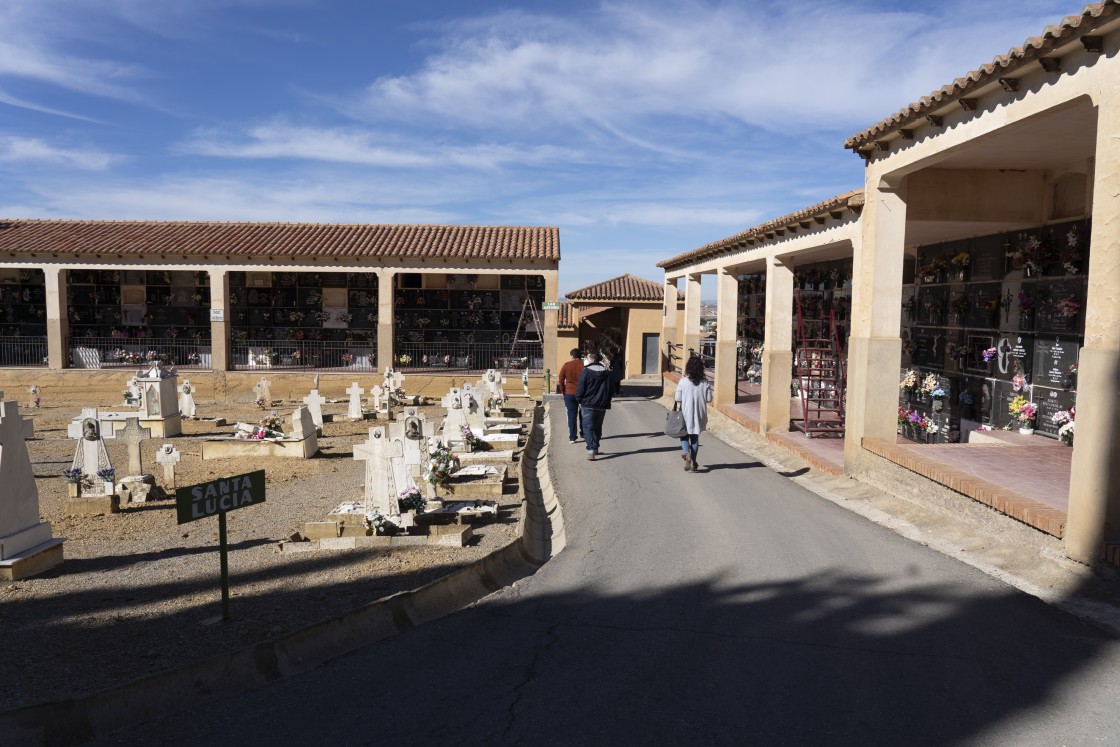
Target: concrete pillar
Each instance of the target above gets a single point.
(219, 320)
(669, 333)
(385, 295)
(1094, 491)
(727, 313)
(551, 293)
(777, 355)
(875, 348)
(58, 319)
(691, 316)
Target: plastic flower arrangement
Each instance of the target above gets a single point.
(259, 401)
(929, 384)
(938, 394)
(909, 380)
(966, 398)
(1018, 381)
(1068, 308)
(72, 475)
(441, 463)
(1027, 302)
(960, 261)
(988, 354)
(410, 499)
(108, 474)
(1023, 410)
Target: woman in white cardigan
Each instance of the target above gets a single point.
(694, 393)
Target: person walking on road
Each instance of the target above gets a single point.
(593, 393)
(566, 383)
(694, 393)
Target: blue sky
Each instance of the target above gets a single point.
(641, 129)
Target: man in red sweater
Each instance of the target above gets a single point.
(566, 385)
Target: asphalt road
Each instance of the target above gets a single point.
(729, 606)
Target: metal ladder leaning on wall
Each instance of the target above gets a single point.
(819, 370)
(524, 342)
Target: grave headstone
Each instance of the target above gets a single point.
(186, 399)
(1053, 362)
(132, 434)
(314, 402)
(381, 491)
(1014, 354)
(375, 395)
(456, 416)
(160, 393)
(354, 412)
(414, 431)
(492, 385)
(168, 456)
(263, 391)
(20, 527)
(90, 456)
(473, 413)
(134, 396)
(303, 426)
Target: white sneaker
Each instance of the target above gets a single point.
(571, 440)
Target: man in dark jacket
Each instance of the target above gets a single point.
(593, 393)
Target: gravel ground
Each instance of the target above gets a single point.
(137, 591)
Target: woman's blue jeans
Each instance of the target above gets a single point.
(573, 416)
(690, 445)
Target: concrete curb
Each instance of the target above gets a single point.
(99, 714)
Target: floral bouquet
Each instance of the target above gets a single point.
(1022, 409)
(72, 475)
(410, 499)
(441, 463)
(259, 401)
(909, 381)
(108, 474)
(966, 398)
(475, 442)
(988, 354)
(961, 261)
(938, 394)
(1068, 308)
(929, 384)
(1066, 419)
(347, 358)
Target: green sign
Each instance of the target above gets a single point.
(550, 306)
(219, 496)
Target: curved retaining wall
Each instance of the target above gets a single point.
(101, 713)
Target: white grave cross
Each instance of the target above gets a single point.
(186, 399)
(314, 402)
(20, 497)
(90, 456)
(375, 393)
(381, 490)
(132, 434)
(355, 410)
(168, 456)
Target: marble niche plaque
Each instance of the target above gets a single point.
(1053, 359)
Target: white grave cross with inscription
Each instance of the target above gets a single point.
(168, 456)
(314, 402)
(355, 410)
(381, 490)
(132, 434)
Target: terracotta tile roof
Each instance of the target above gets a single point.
(564, 317)
(622, 288)
(130, 238)
(791, 222)
(1090, 18)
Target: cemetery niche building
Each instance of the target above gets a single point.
(969, 287)
(282, 296)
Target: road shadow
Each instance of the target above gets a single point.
(737, 465)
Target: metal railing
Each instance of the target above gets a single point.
(677, 356)
(464, 357)
(301, 354)
(132, 352)
(23, 351)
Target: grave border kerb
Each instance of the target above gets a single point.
(156, 696)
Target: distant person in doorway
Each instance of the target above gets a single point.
(593, 393)
(618, 372)
(694, 393)
(566, 384)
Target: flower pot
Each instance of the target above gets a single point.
(938, 405)
(74, 489)
(1026, 430)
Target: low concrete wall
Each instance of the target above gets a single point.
(149, 698)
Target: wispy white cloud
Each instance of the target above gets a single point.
(350, 145)
(791, 66)
(20, 150)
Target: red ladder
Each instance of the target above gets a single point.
(820, 372)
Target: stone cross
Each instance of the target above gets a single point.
(19, 500)
(263, 391)
(186, 399)
(375, 392)
(132, 434)
(494, 382)
(355, 410)
(381, 491)
(168, 456)
(314, 402)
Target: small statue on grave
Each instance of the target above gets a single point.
(33, 390)
(186, 399)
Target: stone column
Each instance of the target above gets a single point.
(1094, 490)
(875, 348)
(691, 315)
(777, 355)
(551, 293)
(58, 319)
(219, 328)
(669, 332)
(727, 313)
(385, 296)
